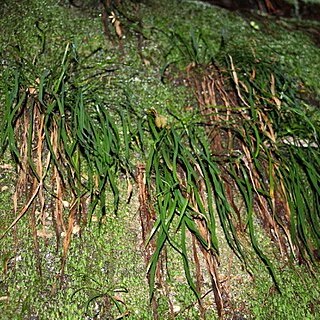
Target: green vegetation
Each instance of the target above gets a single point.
(172, 173)
(295, 302)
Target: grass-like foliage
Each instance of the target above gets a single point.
(245, 164)
(66, 155)
(256, 169)
(249, 162)
(246, 169)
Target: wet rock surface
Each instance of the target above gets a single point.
(303, 12)
(281, 8)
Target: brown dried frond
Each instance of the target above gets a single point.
(147, 218)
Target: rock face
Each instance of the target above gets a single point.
(310, 11)
(263, 5)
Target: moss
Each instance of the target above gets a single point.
(106, 259)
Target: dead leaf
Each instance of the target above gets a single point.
(277, 102)
(161, 121)
(117, 26)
